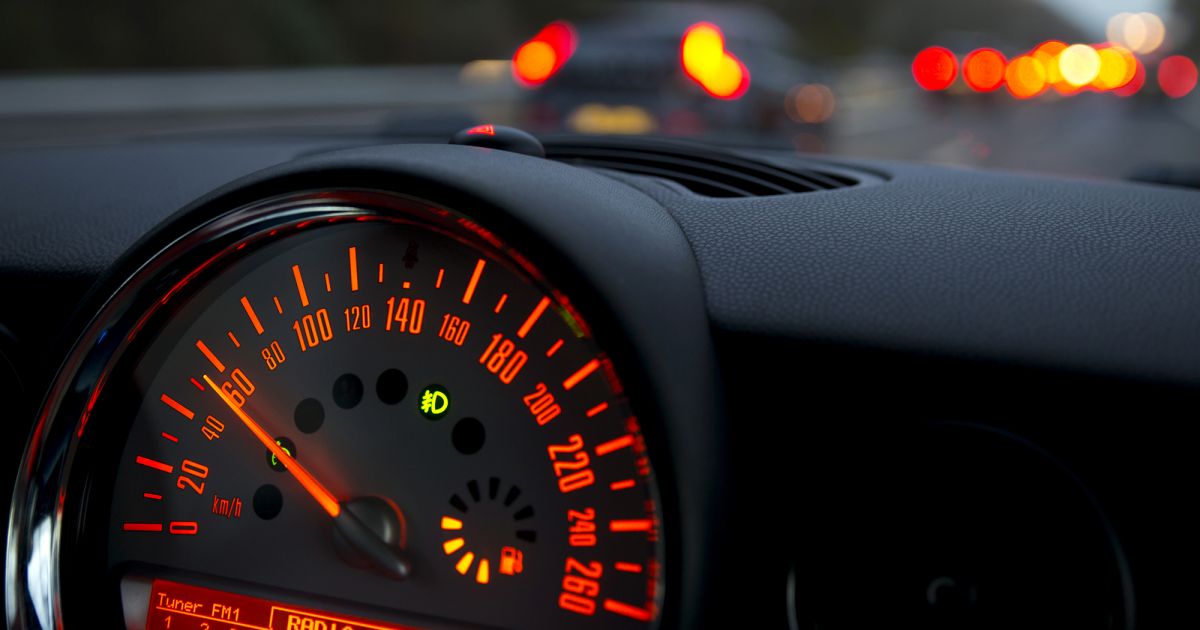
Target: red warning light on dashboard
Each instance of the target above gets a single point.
(482, 130)
(512, 561)
(175, 606)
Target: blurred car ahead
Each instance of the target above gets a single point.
(633, 73)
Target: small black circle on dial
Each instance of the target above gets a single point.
(391, 387)
(309, 415)
(468, 436)
(268, 502)
(347, 391)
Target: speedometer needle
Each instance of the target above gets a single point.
(362, 537)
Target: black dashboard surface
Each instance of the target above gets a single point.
(1075, 274)
(855, 328)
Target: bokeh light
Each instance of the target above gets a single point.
(1047, 53)
(1177, 76)
(935, 68)
(1142, 33)
(539, 58)
(1117, 67)
(1025, 77)
(707, 62)
(983, 69)
(813, 103)
(1079, 64)
(534, 61)
(1135, 82)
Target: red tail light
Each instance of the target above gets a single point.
(541, 57)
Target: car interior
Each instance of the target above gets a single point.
(622, 315)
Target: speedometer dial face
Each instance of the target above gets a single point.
(366, 418)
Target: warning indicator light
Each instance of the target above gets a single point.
(434, 402)
(511, 561)
(288, 447)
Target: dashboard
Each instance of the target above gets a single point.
(568, 381)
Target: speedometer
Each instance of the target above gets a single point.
(362, 410)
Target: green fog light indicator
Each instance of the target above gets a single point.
(434, 402)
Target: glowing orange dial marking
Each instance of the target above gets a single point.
(624, 484)
(452, 545)
(278, 306)
(482, 575)
(168, 437)
(252, 315)
(208, 354)
(470, 292)
(155, 464)
(628, 567)
(300, 285)
(464, 563)
(554, 348)
(236, 343)
(438, 284)
(500, 304)
(633, 525)
(627, 610)
(614, 445)
(328, 286)
(591, 413)
(581, 374)
(533, 317)
(174, 404)
(353, 268)
(151, 496)
(142, 527)
(323, 496)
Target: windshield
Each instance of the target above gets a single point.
(1092, 87)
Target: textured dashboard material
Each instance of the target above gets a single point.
(1060, 273)
(1100, 276)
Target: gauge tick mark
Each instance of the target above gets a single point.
(258, 327)
(470, 292)
(533, 317)
(208, 354)
(174, 404)
(300, 285)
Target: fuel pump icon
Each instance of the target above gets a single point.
(511, 561)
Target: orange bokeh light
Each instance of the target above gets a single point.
(1025, 77)
(535, 61)
(705, 61)
(983, 69)
(539, 58)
